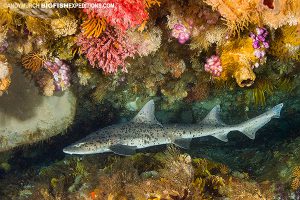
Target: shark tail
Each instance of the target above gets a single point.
(276, 110)
(249, 128)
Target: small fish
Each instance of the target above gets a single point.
(145, 131)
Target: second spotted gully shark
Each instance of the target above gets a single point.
(145, 131)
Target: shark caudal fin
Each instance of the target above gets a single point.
(276, 110)
(250, 127)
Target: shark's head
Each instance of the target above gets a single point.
(81, 147)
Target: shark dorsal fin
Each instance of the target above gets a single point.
(146, 114)
(213, 117)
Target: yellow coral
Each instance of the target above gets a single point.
(237, 59)
(6, 18)
(94, 27)
(64, 26)
(38, 26)
(150, 3)
(237, 13)
(287, 43)
(33, 62)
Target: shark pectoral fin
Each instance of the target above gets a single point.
(123, 150)
(221, 136)
(146, 114)
(183, 143)
(213, 117)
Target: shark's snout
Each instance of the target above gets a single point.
(75, 149)
(68, 150)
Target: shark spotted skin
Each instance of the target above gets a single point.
(145, 131)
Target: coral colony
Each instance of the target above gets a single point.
(260, 44)
(181, 33)
(107, 52)
(125, 14)
(60, 72)
(213, 66)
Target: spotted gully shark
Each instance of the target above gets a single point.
(145, 131)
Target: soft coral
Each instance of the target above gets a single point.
(123, 15)
(107, 52)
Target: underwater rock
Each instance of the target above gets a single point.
(27, 117)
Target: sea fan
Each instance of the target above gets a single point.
(33, 62)
(93, 27)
